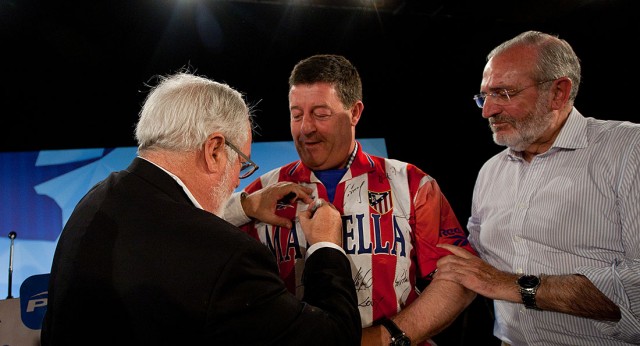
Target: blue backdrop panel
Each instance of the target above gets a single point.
(39, 189)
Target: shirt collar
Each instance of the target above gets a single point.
(573, 135)
(184, 187)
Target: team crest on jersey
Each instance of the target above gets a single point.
(381, 201)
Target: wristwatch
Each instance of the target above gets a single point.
(398, 337)
(528, 286)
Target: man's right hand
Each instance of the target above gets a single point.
(321, 222)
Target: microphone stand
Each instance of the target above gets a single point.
(12, 236)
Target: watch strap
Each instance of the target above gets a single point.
(393, 329)
(528, 298)
(528, 294)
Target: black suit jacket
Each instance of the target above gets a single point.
(138, 264)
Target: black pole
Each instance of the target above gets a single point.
(12, 236)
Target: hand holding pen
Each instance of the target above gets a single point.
(321, 222)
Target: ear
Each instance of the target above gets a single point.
(356, 112)
(214, 152)
(560, 91)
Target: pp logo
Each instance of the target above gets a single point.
(33, 300)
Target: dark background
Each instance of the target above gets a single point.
(74, 73)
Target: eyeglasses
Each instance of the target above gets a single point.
(502, 96)
(247, 166)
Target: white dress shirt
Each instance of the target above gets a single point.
(574, 209)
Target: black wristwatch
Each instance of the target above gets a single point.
(398, 337)
(528, 286)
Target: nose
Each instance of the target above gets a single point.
(308, 124)
(490, 108)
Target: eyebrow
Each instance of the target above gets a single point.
(501, 87)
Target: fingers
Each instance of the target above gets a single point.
(280, 194)
(312, 208)
(281, 221)
(288, 198)
(321, 222)
(289, 193)
(263, 204)
(449, 264)
(315, 205)
(456, 250)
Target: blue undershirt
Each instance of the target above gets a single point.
(330, 179)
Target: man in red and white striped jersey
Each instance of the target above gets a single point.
(393, 213)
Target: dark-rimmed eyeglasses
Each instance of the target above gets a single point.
(502, 96)
(247, 167)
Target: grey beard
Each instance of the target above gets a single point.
(221, 193)
(528, 129)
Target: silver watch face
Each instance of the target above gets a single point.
(528, 281)
(401, 341)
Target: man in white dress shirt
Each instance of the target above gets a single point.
(556, 215)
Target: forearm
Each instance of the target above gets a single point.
(572, 294)
(569, 294)
(434, 310)
(575, 295)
